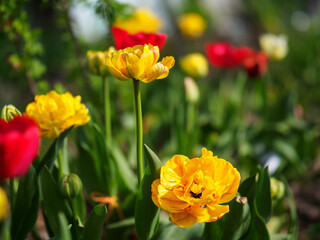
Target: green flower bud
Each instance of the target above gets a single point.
(277, 188)
(9, 112)
(3, 205)
(70, 186)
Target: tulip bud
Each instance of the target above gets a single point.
(192, 90)
(277, 188)
(9, 112)
(3, 205)
(70, 186)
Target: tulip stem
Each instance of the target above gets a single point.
(139, 133)
(107, 114)
(60, 163)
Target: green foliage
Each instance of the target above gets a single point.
(94, 224)
(25, 209)
(146, 222)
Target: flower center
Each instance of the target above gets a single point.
(196, 190)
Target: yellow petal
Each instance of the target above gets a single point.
(135, 66)
(232, 191)
(183, 219)
(172, 171)
(150, 55)
(168, 63)
(114, 70)
(154, 191)
(209, 213)
(169, 201)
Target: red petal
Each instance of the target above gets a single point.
(19, 145)
(123, 39)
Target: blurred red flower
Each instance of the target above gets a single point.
(256, 64)
(224, 55)
(19, 145)
(123, 39)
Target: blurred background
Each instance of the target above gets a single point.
(272, 120)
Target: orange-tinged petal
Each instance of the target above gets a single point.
(155, 192)
(169, 201)
(232, 192)
(168, 62)
(183, 219)
(114, 71)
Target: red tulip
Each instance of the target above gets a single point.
(123, 39)
(19, 145)
(256, 64)
(225, 55)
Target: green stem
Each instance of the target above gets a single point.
(190, 117)
(60, 163)
(139, 133)
(107, 113)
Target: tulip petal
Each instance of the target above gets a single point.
(155, 192)
(135, 66)
(116, 66)
(183, 219)
(209, 213)
(169, 201)
(232, 191)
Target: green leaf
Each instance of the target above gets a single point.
(232, 225)
(26, 206)
(53, 202)
(63, 229)
(147, 213)
(125, 174)
(290, 153)
(257, 229)
(153, 161)
(53, 151)
(263, 198)
(80, 207)
(293, 225)
(5, 230)
(128, 222)
(175, 232)
(94, 225)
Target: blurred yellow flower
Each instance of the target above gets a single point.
(97, 61)
(192, 25)
(3, 205)
(275, 47)
(142, 20)
(192, 190)
(140, 63)
(55, 113)
(195, 65)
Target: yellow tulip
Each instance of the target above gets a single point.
(97, 61)
(193, 190)
(3, 205)
(142, 20)
(192, 25)
(140, 63)
(275, 47)
(55, 113)
(195, 65)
